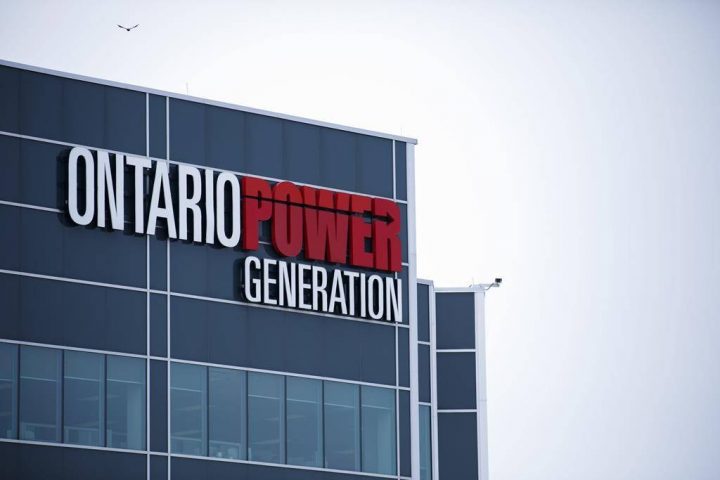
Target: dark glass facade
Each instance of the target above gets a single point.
(128, 356)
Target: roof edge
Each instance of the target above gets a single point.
(207, 101)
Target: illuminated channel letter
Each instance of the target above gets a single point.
(115, 190)
(75, 154)
(233, 239)
(189, 203)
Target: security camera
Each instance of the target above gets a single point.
(498, 281)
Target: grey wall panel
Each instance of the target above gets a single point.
(302, 152)
(404, 438)
(456, 380)
(158, 263)
(44, 244)
(455, 320)
(282, 340)
(33, 172)
(158, 126)
(9, 99)
(201, 469)
(263, 149)
(423, 312)
(401, 170)
(38, 462)
(158, 406)
(457, 446)
(158, 467)
(424, 372)
(374, 166)
(60, 313)
(81, 112)
(158, 325)
(404, 357)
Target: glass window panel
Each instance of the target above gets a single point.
(266, 426)
(188, 403)
(342, 426)
(40, 393)
(84, 398)
(125, 402)
(304, 422)
(379, 450)
(227, 412)
(8, 390)
(425, 444)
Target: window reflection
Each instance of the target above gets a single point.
(378, 430)
(8, 390)
(266, 417)
(425, 444)
(40, 393)
(126, 402)
(227, 412)
(188, 409)
(84, 398)
(342, 426)
(304, 422)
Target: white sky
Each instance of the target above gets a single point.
(570, 147)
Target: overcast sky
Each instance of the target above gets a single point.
(569, 147)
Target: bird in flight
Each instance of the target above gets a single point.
(128, 28)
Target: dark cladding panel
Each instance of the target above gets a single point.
(424, 372)
(404, 357)
(45, 244)
(204, 270)
(158, 325)
(405, 447)
(80, 112)
(456, 380)
(33, 172)
(224, 137)
(187, 132)
(404, 231)
(457, 445)
(455, 320)
(59, 313)
(264, 146)
(158, 263)
(338, 159)
(125, 117)
(400, 170)
(375, 163)
(201, 469)
(302, 152)
(158, 406)
(39, 462)
(41, 105)
(9, 99)
(283, 341)
(158, 126)
(83, 113)
(158, 467)
(423, 312)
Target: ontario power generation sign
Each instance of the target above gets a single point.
(328, 229)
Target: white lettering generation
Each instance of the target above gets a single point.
(312, 287)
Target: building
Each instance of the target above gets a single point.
(195, 290)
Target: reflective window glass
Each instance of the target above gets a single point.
(266, 426)
(40, 393)
(125, 402)
(304, 422)
(227, 413)
(342, 426)
(188, 403)
(425, 444)
(84, 398)
(379, 450)
(8, 390)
